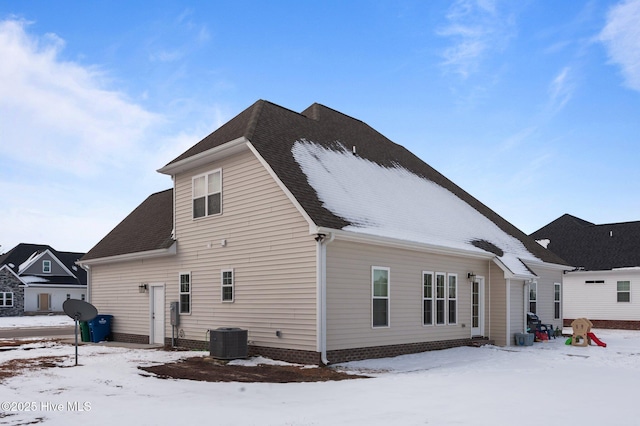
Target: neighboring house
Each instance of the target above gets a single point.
(605, 283)
(46, 279)
(323, 239)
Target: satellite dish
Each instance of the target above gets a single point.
(79, 310)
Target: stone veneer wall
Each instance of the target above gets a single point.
(9, 283)
(613, 324)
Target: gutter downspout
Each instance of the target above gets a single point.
(321, 277)
(524, 306)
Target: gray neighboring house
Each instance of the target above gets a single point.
(323, 239)
(604, 286)
(36, 278)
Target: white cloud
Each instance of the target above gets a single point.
(621, 37)
(60, 115)
(77, 155)
(476, 28)
(561, 89)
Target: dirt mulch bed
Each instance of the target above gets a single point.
(206, 369)
(16, 366)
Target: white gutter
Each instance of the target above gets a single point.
(358, 237)
(215, 153)
(132, 256)
(321, 309)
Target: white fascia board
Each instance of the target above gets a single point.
(54, 257)
(546, 265)
(171, 251)
(54, 286)
(358, 237)
(13, 273)
(603, 272)
(214, 154)
(283, 187)
(509, 274)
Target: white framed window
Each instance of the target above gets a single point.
(6, 299)
(452, 298)
(380, 296)
(624, 291)
(427, 298)
(227, 281)
(185, 292)
(557, 301)
(46, 266)
(440, 298)
(533, 296)
(207, 194)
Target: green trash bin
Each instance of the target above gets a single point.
(85, 332)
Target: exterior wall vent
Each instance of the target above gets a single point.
(228, 343)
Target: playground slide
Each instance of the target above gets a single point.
(595, 340)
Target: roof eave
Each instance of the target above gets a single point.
(358, 237)
(221, 151)
(149, 254)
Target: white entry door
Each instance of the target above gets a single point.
(156, 300)
(477, 307)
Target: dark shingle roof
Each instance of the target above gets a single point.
(146, 228)
(273, 130)
(593, 247)
(23, 251)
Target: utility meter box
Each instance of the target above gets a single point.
(174, 307)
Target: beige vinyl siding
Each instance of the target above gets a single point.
(599, 301)
(547, 277)
(349, 323)
(517, 318)
(498, 306)
(114, 291)
(267, 244)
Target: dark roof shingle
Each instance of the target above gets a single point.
(273, 131)
(593, 247)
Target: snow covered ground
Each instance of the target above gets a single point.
(548, 383)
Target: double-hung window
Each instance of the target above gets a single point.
(6, 299)
(533, 296)
(227, 285)
(380, 296)
(624, 291)
(452, 298)
(556, 300)
(440, 298)
(46, 266)
(207, 194)
(185, 292)
(427, 298)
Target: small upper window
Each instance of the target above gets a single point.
(185, 293)
(227, 285)
(207, 194)
(46, 266)
(624, 291)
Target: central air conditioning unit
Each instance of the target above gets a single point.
(228, 343)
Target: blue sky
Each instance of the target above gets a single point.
(533, 107)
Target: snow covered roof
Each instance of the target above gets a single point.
(396, 203)
(384, 190)
(24, 255)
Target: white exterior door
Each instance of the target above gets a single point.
(156, 300)
(477, 307)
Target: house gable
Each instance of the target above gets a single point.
(593, 247)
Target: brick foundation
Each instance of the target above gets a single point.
(345, 355)
(311, 357)
(129, 338)
(612, 324)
